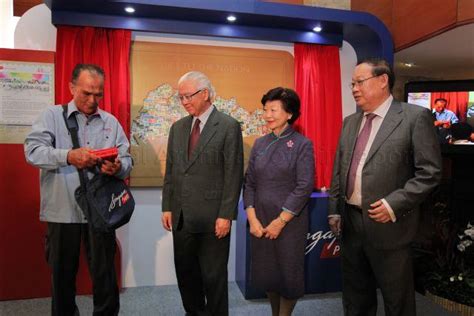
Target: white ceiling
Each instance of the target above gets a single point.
(449, 55)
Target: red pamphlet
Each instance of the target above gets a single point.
(106, 153)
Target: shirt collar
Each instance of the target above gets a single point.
(382, 110)
(285, 133)
(204, 116)
(71, 108)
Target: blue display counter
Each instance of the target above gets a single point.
(322, 263)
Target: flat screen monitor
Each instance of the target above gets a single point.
(453, 113)
(459, 96)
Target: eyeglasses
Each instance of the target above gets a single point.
(359, 83)
(188, 97)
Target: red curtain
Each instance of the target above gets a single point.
(457, 102)
(107, 48)
(318, 83)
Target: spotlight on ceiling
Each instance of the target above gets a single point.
(129, 10)
(231, 18)
(317, 29)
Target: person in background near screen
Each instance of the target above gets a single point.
(48, 147)
(387, 162)
(203, 179)
(470, 111)
(278, 183)
(461, 134)
(443, 118)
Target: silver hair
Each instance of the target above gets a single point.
(201, 80)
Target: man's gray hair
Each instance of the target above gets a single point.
(91, 68)
(201, 80)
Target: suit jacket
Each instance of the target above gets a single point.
(206, 186)
(402, 166)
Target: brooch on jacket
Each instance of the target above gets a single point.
(289, 143)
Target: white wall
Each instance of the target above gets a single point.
(35, 31)
(147, 249)
(348, 60)
(7, 23)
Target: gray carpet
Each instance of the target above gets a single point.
(165, 300)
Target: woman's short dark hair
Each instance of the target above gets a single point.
(288, 98)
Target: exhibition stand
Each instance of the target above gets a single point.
(322, 262)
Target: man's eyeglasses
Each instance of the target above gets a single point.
(188, 97)
(359, 83)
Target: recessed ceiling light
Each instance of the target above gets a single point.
(231, 18)
(129, 10)
(317, 29)
(409, 65)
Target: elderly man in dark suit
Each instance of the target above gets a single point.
(387, 162)
(204, 171)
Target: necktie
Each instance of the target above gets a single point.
(193, 140)
(360, 145)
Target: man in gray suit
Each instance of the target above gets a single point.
(204, 170)
(387, 162)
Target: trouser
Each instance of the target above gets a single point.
(63, 244)
(201, 269)
(364, 268)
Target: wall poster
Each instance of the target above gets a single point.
(26, 89)
(240, 75)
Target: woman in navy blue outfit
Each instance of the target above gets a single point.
(278, 184)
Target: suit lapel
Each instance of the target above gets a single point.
(352, 138)
(207, 133)
(391, 121)
(354, 132)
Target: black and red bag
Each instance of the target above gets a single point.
(106, 201)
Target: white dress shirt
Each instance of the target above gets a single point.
(380, 112)
(203, 118)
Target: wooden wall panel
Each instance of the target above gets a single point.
(332, 4)
(297, 2)
(465, 10)
(21, 6)
(380, 8)
(412, 21)
(415, 20)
